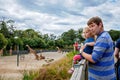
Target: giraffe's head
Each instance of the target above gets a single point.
(27, 45)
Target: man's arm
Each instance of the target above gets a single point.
(88, 57)
(116, 53)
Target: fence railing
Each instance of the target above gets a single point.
(80, 72)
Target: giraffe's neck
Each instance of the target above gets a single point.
(29, 48)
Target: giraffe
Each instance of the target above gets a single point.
(33, 52)
(59, 50)
(41, 56)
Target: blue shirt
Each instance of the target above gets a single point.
(103, 68)
(88, 49)
(118, 44)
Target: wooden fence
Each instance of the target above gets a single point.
(80, 72)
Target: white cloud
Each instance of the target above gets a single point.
(58, 16)
(69, 3)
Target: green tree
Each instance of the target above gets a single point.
(79, 36)
(4, 29)
(3, 41)
(69, 37)
(29, 33)
(59, 43)
(115, 34)
(18, 41)
(10, 26)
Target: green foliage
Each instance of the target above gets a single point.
(3, 41)
(79, 36)
(10, 41)
(35, 39)
(18, 41)
(45, 41)
(68, 37)
(71, 36)
(39, 42)
(29, 75)
(34, 42)
(4, 29)
(29, 33)
(51, 44)
(71, 54)
(5, 53)
(115, 34)
(60, 43)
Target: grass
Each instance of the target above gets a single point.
(55, 71)
(29, 75)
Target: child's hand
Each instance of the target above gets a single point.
(85, 44)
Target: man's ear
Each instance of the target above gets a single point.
(101, 25)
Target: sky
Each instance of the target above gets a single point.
(58, 16)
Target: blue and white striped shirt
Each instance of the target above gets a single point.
(102, 54)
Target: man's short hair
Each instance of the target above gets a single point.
(96, 20)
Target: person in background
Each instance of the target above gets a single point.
(116, 53)
(101, 60)
(76, 46)
(117, 48)
(88, 47)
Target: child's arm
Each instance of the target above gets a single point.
(86, 44)
(90, 44)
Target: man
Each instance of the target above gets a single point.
(101, 62)
(116, 53)
(117, 48)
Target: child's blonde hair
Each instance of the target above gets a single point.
(87, 29)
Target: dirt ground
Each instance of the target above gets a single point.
(10, 71)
